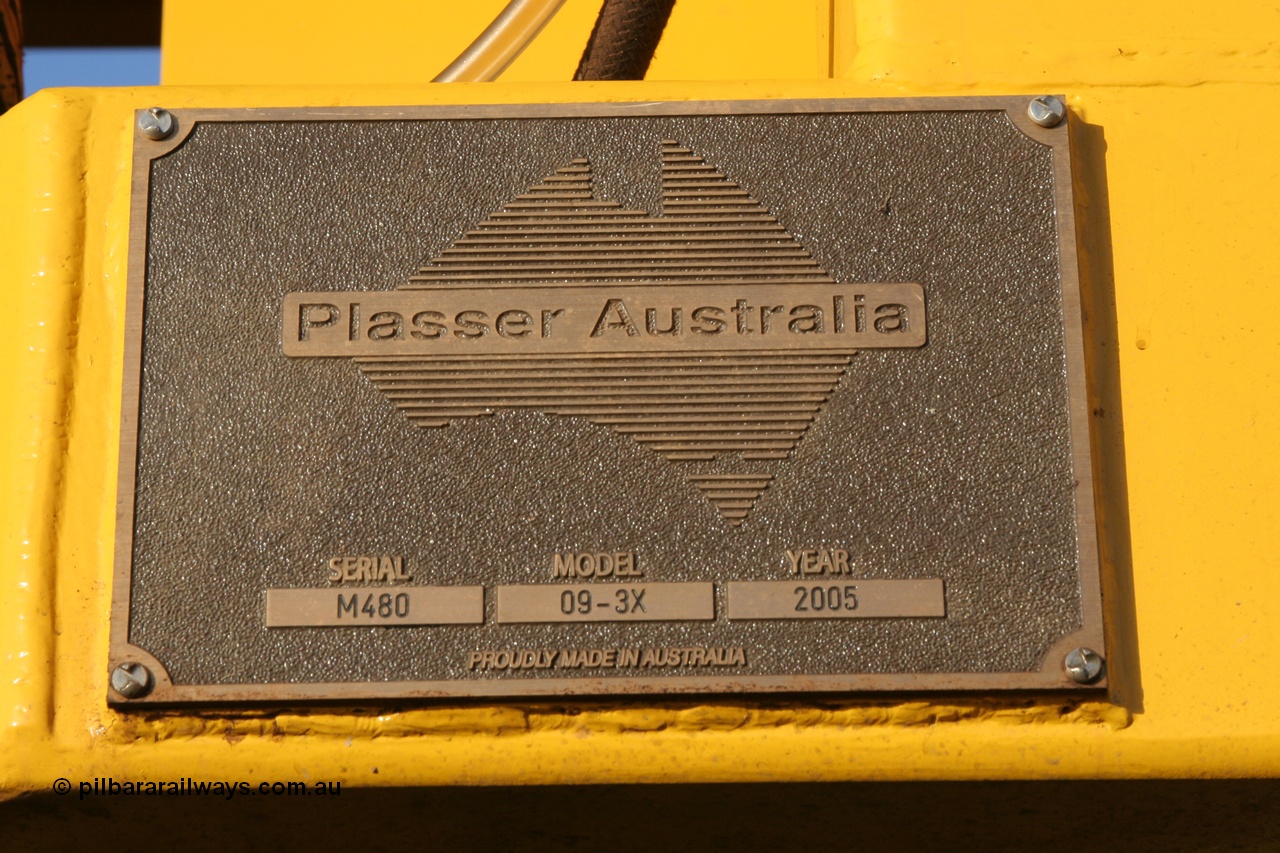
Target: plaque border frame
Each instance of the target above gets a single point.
(1050, 678)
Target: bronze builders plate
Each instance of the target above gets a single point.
(597, 399)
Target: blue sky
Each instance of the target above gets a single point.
(43, 67)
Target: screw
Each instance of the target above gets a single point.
(1047, 110)
(156, 123)
(1083, 665)
(131, 680)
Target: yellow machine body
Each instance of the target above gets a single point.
(1176, 121)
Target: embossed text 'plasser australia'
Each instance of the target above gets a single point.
(595, 319)
(600, 399)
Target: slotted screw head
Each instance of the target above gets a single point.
(131, 680)
(1047, 110)
(156, 123)
(1083, 665)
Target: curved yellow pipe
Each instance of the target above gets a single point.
(502, 41)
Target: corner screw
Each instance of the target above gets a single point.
(156, 123)
(1083, 665)
(131, 680)
(1047, 111)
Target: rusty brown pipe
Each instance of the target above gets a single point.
(623, 40)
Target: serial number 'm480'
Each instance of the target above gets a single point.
(376, 606)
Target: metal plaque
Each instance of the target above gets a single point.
(593, 399)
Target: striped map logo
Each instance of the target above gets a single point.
(707, 334)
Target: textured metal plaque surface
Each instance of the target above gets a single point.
(599, 399)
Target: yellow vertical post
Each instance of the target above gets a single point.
(41, 271)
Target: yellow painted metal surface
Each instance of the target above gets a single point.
(1176, 192)
(382, 42)
(395, 42)
(744, 40)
